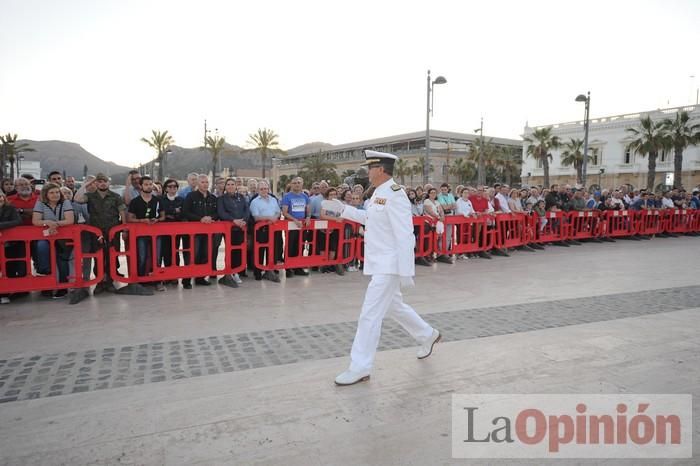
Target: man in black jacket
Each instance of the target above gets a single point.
(552, 199)
(200, 206)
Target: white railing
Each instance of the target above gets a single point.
(660, 113)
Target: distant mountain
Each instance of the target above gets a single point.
(184, 160)
(71, 158)
(68, 157)
(309, 147)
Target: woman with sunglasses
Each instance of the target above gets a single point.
(171, 203)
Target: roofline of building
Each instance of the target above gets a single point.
(434, 135)
(623, 116)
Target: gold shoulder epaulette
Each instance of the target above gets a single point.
(395, 187)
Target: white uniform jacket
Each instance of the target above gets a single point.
(389, 239)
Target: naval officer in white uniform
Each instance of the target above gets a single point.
(389, 259)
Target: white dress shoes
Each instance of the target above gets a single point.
(350, 377)
(426, 349)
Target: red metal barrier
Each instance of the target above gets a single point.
(617, 224)
(585, 225)
(552, 227)
(679, 220)
(694, 221)
(648, 222)
(190, 253)
(511, 230)
(423, 229)
(18, 245)
(468, 235)
(308, 246)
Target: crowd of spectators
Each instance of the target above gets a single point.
(59, 203)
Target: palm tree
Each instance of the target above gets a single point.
(680, 135)
(573, 155)
(215, 145)
(416, 169)
(160, 142)
(463, 169)
(420, 161)
(265, 141)
(541, 142)
(317, 167)
(401, 169)
(508, 160)
(488, 152)
(9, 150)
(649, 139)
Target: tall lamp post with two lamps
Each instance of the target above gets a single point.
(429, 112)
(587, 99)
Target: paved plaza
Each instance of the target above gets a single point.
(216, 375)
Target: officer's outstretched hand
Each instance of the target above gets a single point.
(333, 207)
(407, 282)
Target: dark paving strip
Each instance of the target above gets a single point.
(99, 369)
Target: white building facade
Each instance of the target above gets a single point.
(613, 165)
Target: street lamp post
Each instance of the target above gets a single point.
(429, 112)
(600, 174)
(480, 168)
(20, 158)
(167, 153)
(275, 175)
(587, 100)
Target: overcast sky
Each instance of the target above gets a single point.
(104, 73)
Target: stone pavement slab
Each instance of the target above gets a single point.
(221, 376)
(294, 415)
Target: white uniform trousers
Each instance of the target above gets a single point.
(383, 296)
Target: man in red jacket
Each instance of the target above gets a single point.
(24, 200)
(480, 203)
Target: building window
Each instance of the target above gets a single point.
(597, 156)
(539, 163)
(628, 157)
(663, 156)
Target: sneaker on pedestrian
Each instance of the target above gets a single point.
(75, 296)
(237, 278)
(444, 259)
(352, 268)
(60, 294)
(229, 281)
(160, 286)
(5, 300)
(273, 277)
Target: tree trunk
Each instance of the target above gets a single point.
(12, 169)
(651, 175)
(579, 174)
(214, 160)
(677, 167)
(403, 179)
(509, 177)
(545, 169)
(411, 178)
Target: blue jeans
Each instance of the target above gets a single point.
(63, 258)
(144, 249)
